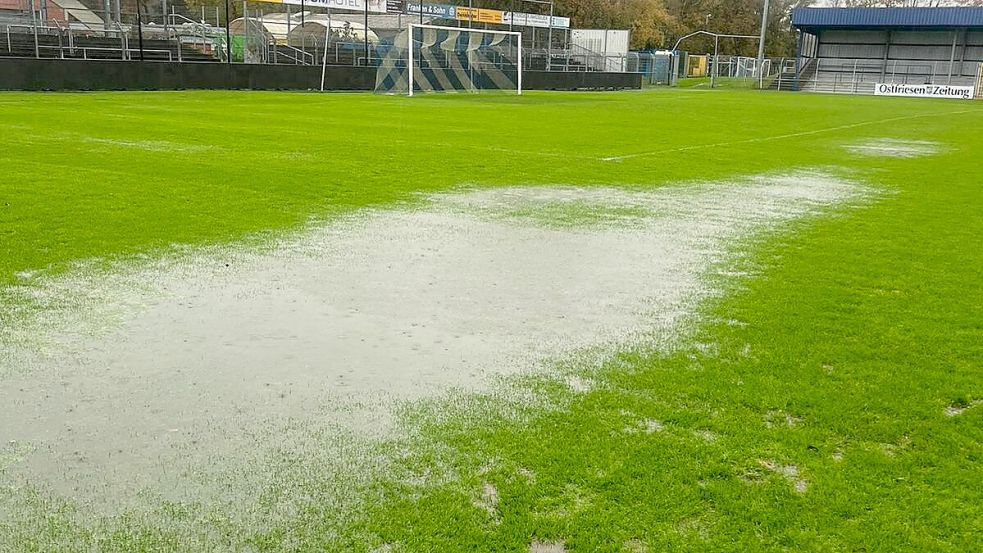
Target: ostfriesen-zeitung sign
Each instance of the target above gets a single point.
(925, 91)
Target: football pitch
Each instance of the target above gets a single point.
(661, 320)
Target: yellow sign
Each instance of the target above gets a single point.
(480, 15)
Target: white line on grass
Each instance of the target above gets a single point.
(783, 136)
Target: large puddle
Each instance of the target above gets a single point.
(146, 380)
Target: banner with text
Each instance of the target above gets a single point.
(374, 6)
(479, 15)
(534, 20)
(443, 11)
(925, 91)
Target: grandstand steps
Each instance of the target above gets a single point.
(786, 80)
(21, 45)
(287, 55)
(95, 47)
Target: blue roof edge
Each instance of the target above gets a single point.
(888, 17)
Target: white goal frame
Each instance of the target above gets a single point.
(409, 47)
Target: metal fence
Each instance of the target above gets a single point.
(265, 33)
(860, 76)
(262, 33)
(257, 32)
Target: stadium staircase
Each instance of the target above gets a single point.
(283, 54)
(560, 60)
(786, 79)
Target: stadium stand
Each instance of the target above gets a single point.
(850, 50)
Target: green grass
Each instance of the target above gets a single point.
(729, 83)
(861, 328)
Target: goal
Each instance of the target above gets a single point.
(432, 58)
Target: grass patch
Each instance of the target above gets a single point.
(725, 83)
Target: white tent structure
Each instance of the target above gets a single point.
(281, 29)
(315, 28)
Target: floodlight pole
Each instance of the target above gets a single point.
(761, 39)
(365, 31)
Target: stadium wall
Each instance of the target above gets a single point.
(46, 74)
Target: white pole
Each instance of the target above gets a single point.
(409, 47)
(549, 41)
(716, 62)
(324, 59)
(761, 39)
(519, 41)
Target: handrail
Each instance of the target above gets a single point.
(124, 39)
(170, 55)
(30, 28)
(173, 15)
(303, 54)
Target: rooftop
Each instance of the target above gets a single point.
(935, 18)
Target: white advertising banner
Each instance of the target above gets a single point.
(375, 6)
(534, 20)
(925, 91)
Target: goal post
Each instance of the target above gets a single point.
(434, 58)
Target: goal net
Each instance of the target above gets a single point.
(430, 58)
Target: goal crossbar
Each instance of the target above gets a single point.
(409, 34)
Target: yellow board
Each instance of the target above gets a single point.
(480, 15)
(696, 66)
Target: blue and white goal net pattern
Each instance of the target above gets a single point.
(450, 60)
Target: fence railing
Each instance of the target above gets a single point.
(859, 76)
(178, 37)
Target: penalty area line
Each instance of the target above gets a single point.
(790, 135)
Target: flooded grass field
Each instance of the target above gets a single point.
(658, 352)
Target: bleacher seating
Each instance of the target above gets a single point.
(56, 44)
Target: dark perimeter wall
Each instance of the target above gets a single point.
(45, 74)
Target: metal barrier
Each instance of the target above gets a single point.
(207, 42)
(859, 76)
(298, 56)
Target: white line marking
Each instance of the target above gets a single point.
(783, 136)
